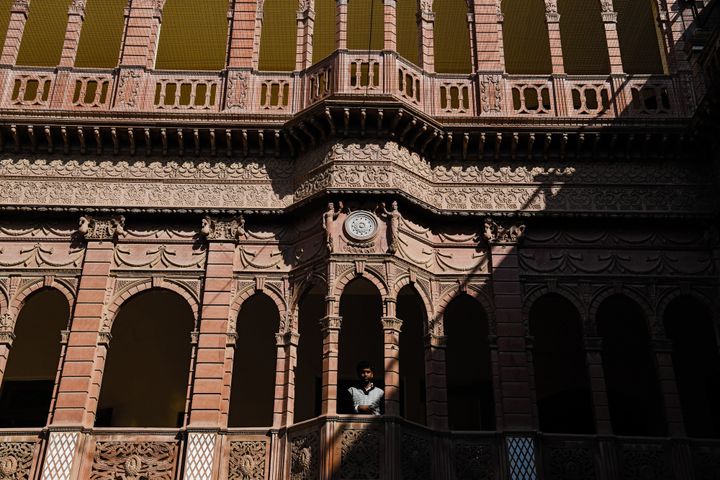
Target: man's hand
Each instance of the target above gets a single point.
(364, 409)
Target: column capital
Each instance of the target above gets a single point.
(593, 343)
(436, 341)
(20, 6)
(330, 322)
(661, 345)
(551, 11)
(77, 7)
(6, 338)
(392, 323)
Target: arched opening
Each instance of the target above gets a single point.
(366, 30)
(145, 381)
(561, 383)
(253, 377)
(471, 404)
(44, 34)
(688, 323)
(277, 39)
(29, 380)
(323, 40)
(361, 337)
(639, 38)
(632, 387)
(525, 37)
(411, 310)
(308, 372)
(101, 34)
(193, 35)
(583, 38)
(407, 31)
(452, 37)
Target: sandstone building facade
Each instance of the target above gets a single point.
(211, 211)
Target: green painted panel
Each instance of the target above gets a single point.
(44, 33)
(4, 18)
(452, 37)
(407, 30)
(583, 38)
(278, 38)
(324, 29)
(527, 47)
(365, 25)
(193, 35)
(638, 36)
(101, 34)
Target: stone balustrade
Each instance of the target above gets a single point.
(350, 445)
(372, 76)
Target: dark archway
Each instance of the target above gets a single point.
(308, 372)
(562, 388)
(471, 404)
(632, 386)
(253, 377)
(29, 380)
(145, 382)
(688, 323)
(411, 310)
(583, 39)
(639, 36)
(361, 337)
(452, 37)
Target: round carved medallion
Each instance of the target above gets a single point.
(8, 466)
(361, 225)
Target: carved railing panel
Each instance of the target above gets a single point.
(706, 459)
(186, 92)
(650, 96)
(134, 456)
(589, 97)
(31, 88)
(641, 458)
(409, 82)
(90, 90)
(363, 72)
(305, 451)
(320, 81)
(18, 455)
(454, 96)
(416, 449)
(476, 457)
(568, 458)
(275, 92)
(361, 453)
(247, 457)
(531, 96)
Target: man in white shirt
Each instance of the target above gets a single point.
(367, 399)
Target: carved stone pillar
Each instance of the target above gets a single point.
(341, 25)
(552, 20)
(596, 375)
(662, 350)
(390, 25)
(426, 33)
(617, 76)
(305, 27)
(16, 27)
(513, 365)
(330, 326)
(142, 29)
(291, 340)
(245, 27)
(76, 16)
(7, 325)
(486, 36)
(391, 333)
(436, 381)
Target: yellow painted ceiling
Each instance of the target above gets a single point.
(101, 34)
(44, 33)
(527, 48)
(193, 35)
(583, 38)
(278, 37)
(365, 31)
(4, 17)
(452, 37)
(638, 36)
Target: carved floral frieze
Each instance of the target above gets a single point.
(276, 183)
(180, 257)
(40, 255)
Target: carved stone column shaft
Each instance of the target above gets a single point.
(330, 326)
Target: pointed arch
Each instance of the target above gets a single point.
(25, 291)
(271, 291)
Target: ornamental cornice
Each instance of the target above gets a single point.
(274, 184)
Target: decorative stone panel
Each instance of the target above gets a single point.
(199, 456)
(113, 460)
(305, 462)
(645, 460)
(247, 460)
(16, 460)
(475, 460)
(416, 457)
(568, 460)
(360, 454)
(59, 455)
(706, 461)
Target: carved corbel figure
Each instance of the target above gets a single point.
(90, 228)
(213, 229)
(328, 223)
(497, 233)
(393, 217)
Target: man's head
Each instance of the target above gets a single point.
(365, 371)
